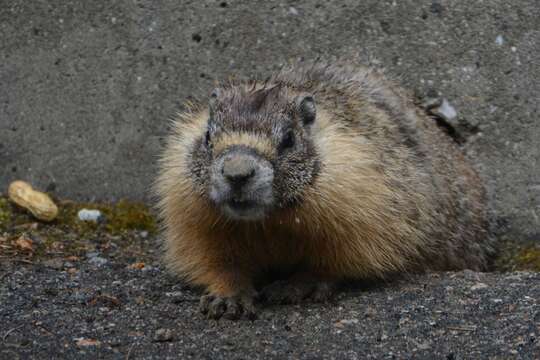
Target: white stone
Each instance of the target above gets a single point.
(89, 215)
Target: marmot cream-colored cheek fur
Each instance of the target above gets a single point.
(323, 173)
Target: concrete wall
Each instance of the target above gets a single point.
(86, 87)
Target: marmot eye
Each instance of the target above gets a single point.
(287, 141)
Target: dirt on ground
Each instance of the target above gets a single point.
(73, 289)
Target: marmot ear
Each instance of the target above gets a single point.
(212, 103)
(306, 109)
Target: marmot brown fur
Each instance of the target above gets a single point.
(327, 172)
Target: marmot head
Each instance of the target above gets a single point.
(257, 154)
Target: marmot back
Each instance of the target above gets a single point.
(328, 172)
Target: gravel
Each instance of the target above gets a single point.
(118, 311)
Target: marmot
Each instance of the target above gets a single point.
(324, 172)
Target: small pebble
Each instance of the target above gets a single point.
(57, 264)
(176, 297)
(499, 40)
(478, 286)
(446, 111)
(163, 335)
(81, 296)
(89, 215)
(98, 261)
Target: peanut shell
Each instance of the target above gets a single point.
(38, 203)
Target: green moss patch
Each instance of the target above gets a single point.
(528, 259)
(5, 213)
(119, 218)
(123, 223)
(515, 257)
(126, 215)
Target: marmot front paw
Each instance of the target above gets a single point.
(232, 307)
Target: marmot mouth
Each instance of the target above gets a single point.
(242, 205)
(246, 210)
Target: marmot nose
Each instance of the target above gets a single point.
(238, 169)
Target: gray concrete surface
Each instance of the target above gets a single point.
(86, 87)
